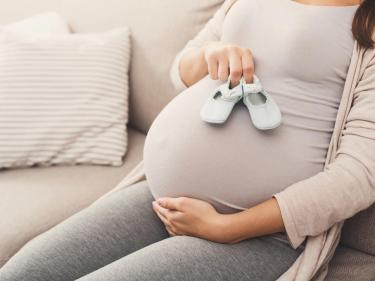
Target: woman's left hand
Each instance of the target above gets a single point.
(192, 217)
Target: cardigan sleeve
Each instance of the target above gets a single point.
(211, 32)
(347, 185)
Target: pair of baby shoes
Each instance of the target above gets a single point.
(264, 112)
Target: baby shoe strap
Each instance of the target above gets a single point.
(229, 93)
(252, 88)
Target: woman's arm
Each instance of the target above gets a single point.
(347, 185)
(205, 54)
(193, 66)
(263, 219)
(188, 216)
(193, 51)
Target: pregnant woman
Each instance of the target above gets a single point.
(231, 202)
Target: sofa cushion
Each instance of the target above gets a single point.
(33, 200)
(351, 265)
(359, 231)
(64, 98)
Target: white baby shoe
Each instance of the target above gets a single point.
(264, 112)
(220, 103)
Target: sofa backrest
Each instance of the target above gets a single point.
(159, 30)
(359, 231)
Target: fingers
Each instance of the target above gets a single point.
(171, 203)
(247, 66)
(235, 66)
(170, 231)
(223, 71)
(169, 216)
(213, 67)
(160, 210)
(165, 216)
(224, 60)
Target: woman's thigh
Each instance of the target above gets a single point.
(187, 258)
(102, 233)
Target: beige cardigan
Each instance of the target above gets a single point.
(315, 208)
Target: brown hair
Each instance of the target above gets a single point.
(364, 24)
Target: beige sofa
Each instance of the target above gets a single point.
(35, 199)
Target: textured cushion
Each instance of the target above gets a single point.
(63, 98)
(33, 200)
(359, 231)
(351, 265)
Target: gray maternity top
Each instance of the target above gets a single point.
(302, 54)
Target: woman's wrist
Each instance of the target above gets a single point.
(193, 66)
(263, 219)
(225, 228)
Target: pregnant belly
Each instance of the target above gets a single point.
(233, 166)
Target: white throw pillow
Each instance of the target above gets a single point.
(63, 98)
(49, 23)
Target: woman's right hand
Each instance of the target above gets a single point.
(227, 59)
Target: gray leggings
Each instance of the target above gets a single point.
(121, 238)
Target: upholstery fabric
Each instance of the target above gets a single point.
(35, 199)
(359, 232)
(49, 23)
(351, 265)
